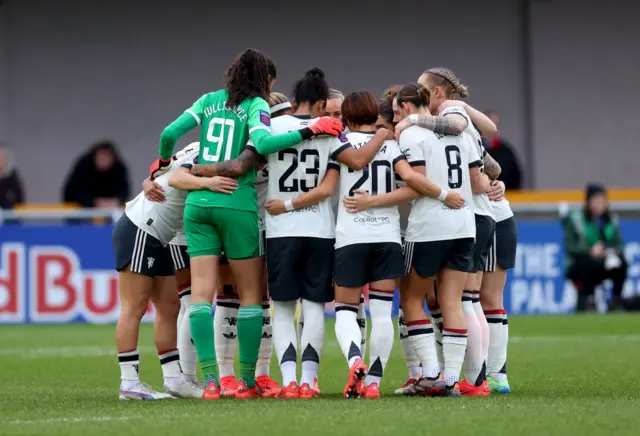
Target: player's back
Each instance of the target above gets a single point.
(223, 136)
(378, 177)
(293, 172)
(446, 160)
(162, 220)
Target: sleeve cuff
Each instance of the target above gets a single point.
(253, 149)
(475, 164)
(418, 163)
(336, 153)
(333, 166)
(398, 159)
(194, 115)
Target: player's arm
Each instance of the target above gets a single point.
(481, 121)
(324, 190)
(416, 179)
(491, 168)
(447, 123)
(480, 183)
(184, 181)
(229, 168)
(190, 119)
(362, 200)
(259, 123)
(360, 158)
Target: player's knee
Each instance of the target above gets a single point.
(168, 307)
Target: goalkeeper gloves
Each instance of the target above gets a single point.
(158, 168)
(324, 126)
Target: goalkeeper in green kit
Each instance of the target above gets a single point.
(216, 222)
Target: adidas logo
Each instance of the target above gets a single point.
(230, 335)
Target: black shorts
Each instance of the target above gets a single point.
(485, 231)
(179, 256)
(358, 264)
(505, 243)
(300, 267)
(427, 258)
(145, 254)
(225, 261)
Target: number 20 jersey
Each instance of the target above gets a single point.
(380, 224)
(446, 160)
(295, 171)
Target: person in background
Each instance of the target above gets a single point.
(502, 152)
(334, 103)
(11, 192)
(99, 178)
(594, 247)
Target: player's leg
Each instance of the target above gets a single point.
(241, 239)
(317, 289)
(285, 283)
(135, 287)
(386, 266)
(225, 328)
(362, 323)
(204, 250)
(436, 320)
(450, 298)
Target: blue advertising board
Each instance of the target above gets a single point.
(64, 273)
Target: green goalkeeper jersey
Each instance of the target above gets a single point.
(224, 133)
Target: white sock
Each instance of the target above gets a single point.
(484, 326)
(170, 363)
(284, 339)
(410, 356)
(436, 322)
(500, 361)
(312, 340)
(494, 319)
(454, 343)
(423, 342)
(188, 356)
(129, 374)
(381, 340)
(362, 323)
(225, 333)
(299, 324)
(266, 343)
(473, 357)
(347, 331)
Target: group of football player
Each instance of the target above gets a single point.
(344, 193)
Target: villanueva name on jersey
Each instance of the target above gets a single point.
(222, 106)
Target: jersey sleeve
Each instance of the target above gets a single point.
(173, 132)
(259, 116)
(197, 109)
(475, 159)
(457, 110)
(410, 147)
(333, 165)
(396, 154)
(338, 145)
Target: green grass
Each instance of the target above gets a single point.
(570, 375)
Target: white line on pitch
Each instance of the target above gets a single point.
(72, 420)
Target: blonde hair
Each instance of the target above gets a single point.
(335, 94)
(390, 92)
(445, 78)
(277, 98)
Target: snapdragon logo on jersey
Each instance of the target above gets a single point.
(58, 274)
(370, 217)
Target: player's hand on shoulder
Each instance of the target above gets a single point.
(225, 185)
(454, 200)
(275, 207)
(152, 191)
(327, 126)
(401, 126)
(359, 202)
(496, 190)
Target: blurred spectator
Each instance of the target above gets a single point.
(334, 104)
(594, 248)
(502, 152)
(99, 178)
(11, 192)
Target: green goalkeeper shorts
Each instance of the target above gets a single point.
(212, 230)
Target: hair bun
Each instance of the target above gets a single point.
(424, 95)
(314, 73)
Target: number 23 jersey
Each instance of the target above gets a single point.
(447, 160)
(380, 224)
(295, 171)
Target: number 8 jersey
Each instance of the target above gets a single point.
(297, 170)
(447, 160)
(378, 177)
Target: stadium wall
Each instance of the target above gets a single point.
(75, 71)
(64, 273)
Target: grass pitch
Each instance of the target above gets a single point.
(573, 375)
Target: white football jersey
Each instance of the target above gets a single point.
(446, 160)
(404, 210)
(297, 170)
(261, 184)
(163, 220)
(381, 224)
(501, 210)
(481, 202)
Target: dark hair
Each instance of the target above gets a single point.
(311, 88)
(414, 93)
(248, 77)
(390, 92)
(385, 109)
(360, 108)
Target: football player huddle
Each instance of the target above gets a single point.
(285, 205)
